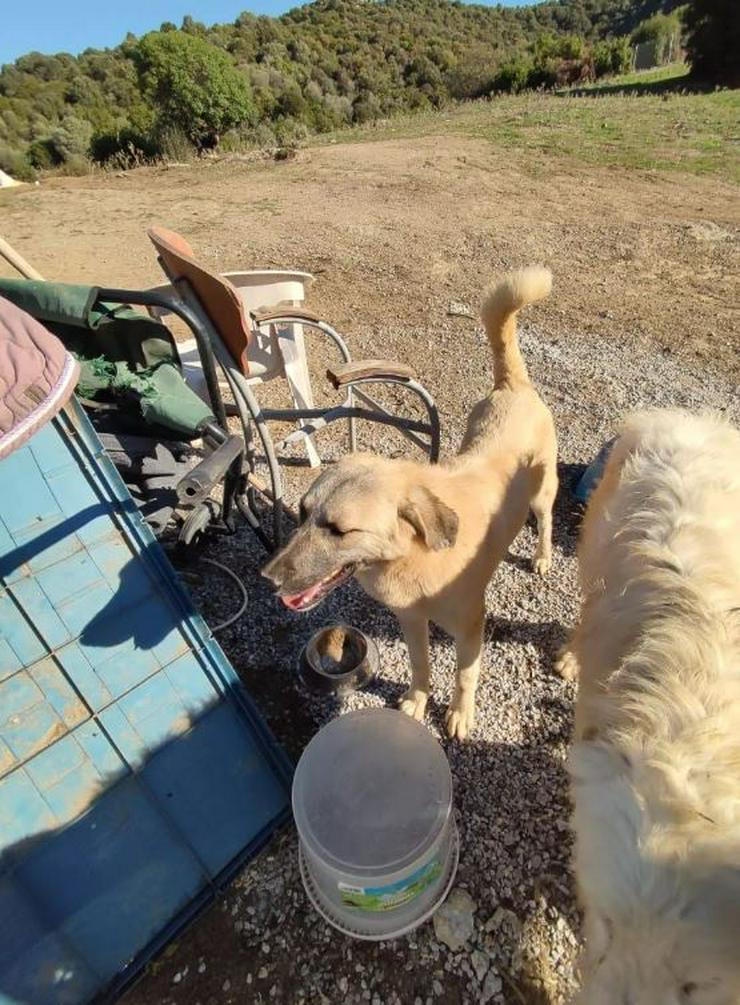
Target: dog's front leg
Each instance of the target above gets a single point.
(566, 661)
(416, 632)
(461, 713)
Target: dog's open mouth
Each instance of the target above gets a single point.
(310, 598)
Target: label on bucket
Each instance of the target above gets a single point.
(387, 898)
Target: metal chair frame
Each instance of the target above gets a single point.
(241, 485)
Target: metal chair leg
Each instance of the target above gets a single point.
(251, 413)
(352, 422)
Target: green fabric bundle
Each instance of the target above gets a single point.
(122, 354)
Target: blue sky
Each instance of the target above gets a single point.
(57, 26)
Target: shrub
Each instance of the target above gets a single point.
(289, 133)
(125, 147)
(42, 155)
(544, 74)
(67, 142)
(663, 32)
(77, 166)
(173, 145)
(262, 135)
(654, 28)
(70, 140)
(366, 108)
(612, 57)
(512, 77)
(16, 164)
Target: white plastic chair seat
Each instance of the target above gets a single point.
(275, 350)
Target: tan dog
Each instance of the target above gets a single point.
(425, 539)
(656, 765)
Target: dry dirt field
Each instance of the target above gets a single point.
(395, 230)
(644, 311)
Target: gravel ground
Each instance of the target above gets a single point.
(510, 786)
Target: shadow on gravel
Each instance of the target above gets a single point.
(685, 84)
(512, 804)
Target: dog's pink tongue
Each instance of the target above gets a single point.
(295, 601)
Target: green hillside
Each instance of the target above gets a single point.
(317, 68)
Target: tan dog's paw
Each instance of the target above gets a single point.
(460, 719)
(541, 566)
(566, 664)
(414, 703)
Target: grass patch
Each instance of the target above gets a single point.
(668, 130)
(697, 133)
(659, 78)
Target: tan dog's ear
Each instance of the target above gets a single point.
(432, 520)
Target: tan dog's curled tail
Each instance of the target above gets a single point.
(501, 302)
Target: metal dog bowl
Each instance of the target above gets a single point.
(338, 659)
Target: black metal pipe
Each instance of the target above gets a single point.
(198, 483)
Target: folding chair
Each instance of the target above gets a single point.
(254, 346)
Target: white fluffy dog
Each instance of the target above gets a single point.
(656, 765)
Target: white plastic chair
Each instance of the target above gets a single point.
(277, 351)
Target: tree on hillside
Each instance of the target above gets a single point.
(193, 86)
(714, 39)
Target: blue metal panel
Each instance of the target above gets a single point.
(28, 618)
(200, 778)
(135, 774)
(36, 707)
(23, 811)
(118, 875)
(26, 526)
(36, 964)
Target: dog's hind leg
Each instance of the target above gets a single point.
(541, 504)
(566, 663)
(416, 633)
(461, 713)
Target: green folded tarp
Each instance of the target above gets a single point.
(122, 353)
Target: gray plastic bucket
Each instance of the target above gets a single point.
(372, 799)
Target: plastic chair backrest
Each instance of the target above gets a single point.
(217, 297)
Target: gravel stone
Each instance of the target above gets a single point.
(491, 987)
(453, 922)
(480, 963)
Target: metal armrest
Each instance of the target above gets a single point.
(361, 369)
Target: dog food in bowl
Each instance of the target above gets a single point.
(372, 799)
(338, 659)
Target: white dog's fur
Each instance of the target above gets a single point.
(656, 764)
